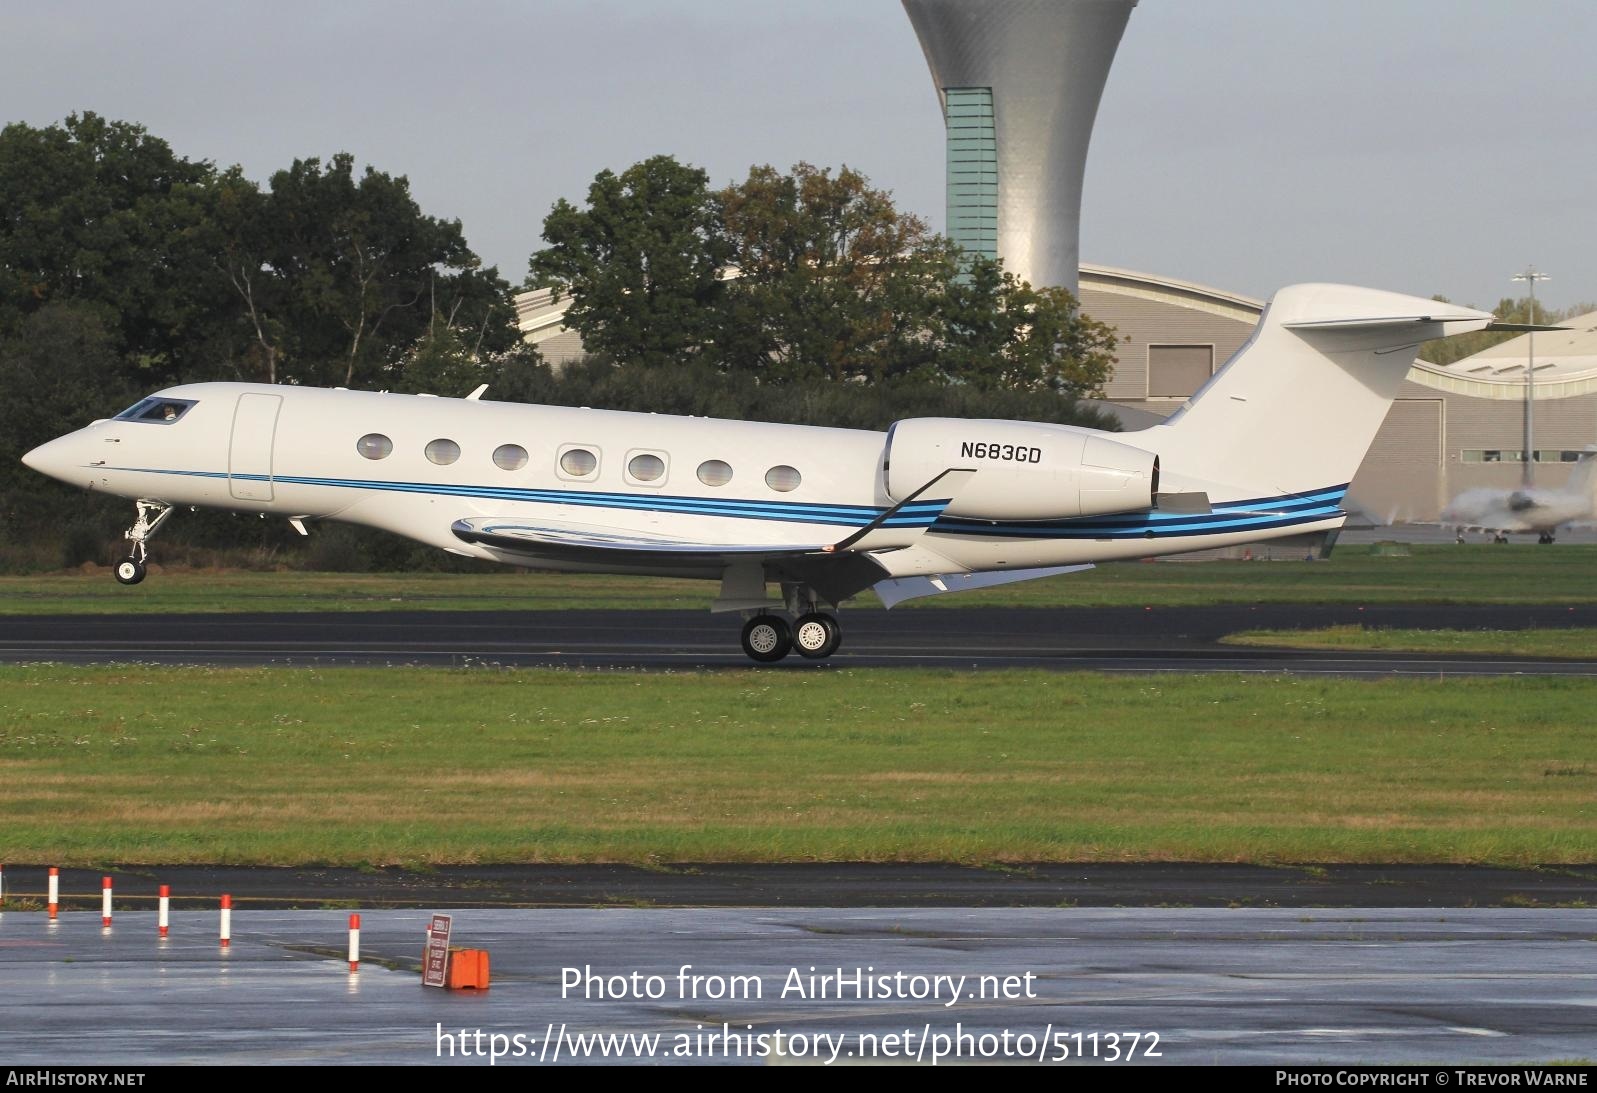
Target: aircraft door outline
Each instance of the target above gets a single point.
(249, 457)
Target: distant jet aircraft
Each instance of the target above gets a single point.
(1264, 450)
(1528, 508)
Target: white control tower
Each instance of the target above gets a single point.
(1019, 82)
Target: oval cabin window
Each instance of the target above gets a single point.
(374, 446)
(510, 457)
(443, 452)
(783, 479)
(715, 472)
(646, 468)
(578, 462)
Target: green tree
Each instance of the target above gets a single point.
(641, 263)
(450, 361)
(337, 277)
(995, 331)
(833, 280)
(100, 212)
(58, 371)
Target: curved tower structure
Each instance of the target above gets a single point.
(1019, 81)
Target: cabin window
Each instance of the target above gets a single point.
(783, 479)
(442, 452)
(715, 472)
(578, 463)
(510, 457)
(645, 467)
(375, 446)
(157, 411)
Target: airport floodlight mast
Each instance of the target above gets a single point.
(1528, 472)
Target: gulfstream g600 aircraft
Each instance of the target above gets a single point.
(1265, 449)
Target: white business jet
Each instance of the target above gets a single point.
(1265, 449)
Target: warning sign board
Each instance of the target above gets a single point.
(435, 962)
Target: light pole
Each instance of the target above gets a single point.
(1528, 473)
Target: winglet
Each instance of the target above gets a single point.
(477, 393)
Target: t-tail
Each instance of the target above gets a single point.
(1296, 409)
(1583, 476)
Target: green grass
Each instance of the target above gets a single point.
(150, 765)
(1480, 573)
(1576, 643)
(211, 591)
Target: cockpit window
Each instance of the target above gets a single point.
(155, 409)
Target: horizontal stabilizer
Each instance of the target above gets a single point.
(1384, 322)
(898, 589)
(1494, 327)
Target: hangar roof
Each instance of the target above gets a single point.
(1566, 365)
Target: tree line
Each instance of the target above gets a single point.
(804, 275)
(803, 296)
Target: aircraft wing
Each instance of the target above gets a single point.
(576, 541)
(573, 541)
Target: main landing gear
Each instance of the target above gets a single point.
(151, 515)
(768, 638)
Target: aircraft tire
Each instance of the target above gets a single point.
(817, 636)
(129, 571)
(767, 638)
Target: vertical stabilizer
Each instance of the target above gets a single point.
(1583, 476)
(1297, 407)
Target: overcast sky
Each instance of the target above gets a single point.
(1416, 145)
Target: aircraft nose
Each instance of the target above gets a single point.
(54, 458)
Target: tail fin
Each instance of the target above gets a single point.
(1297, 407)
(1583, 476)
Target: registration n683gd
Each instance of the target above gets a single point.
(1014, 453)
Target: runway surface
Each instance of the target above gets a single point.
(1153, 639)
(1194, 986)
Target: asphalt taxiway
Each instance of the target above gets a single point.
(1194, 986)
(834, 884)
(1150, 639)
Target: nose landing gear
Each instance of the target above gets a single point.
(151, 515)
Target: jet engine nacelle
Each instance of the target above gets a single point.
(1024, 470)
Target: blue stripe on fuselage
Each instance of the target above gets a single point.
(1253, 514)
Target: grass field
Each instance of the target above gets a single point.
(1478, 573)
(145, 765)
(1575, 643)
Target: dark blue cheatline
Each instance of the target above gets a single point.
(1227, 517)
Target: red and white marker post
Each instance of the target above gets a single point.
(164, 915)
(55, 891)
(354, 943)
(105, 901)
(227, 921)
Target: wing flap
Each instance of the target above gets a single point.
(549, 539)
